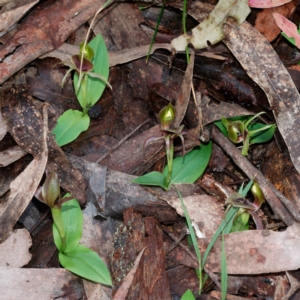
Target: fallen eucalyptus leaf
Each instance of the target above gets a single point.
(258, 251)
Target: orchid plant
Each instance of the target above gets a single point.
(67, 232)
(243, 130)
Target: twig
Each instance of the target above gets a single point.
(121, 141)
(279, 203)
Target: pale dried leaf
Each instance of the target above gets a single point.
(14, 251)
(211, 28)
(123, 289)
(203, 210)
(33, 284)
(11, 155)
(267, 3)
(10, 17)
(258, 251)
(262, 64)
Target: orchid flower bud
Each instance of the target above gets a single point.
(166, 116)
(51, 190)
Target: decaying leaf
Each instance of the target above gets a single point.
(288, 27)
(14, 251)
(267, 3)
(211, 28)
(262, 64)
(258, 251)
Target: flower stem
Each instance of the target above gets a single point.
(170, 153)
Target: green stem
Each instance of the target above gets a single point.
(170, 154)
(58, 222)
(84, 93)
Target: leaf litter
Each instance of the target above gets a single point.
(145, 211)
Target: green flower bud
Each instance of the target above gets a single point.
(51, 190)
(166, 116)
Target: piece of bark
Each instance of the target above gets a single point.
(32, 284)
(150, 280)
(120, 193)
(277, 165)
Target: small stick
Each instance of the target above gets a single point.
(279, 203)
(121, 141)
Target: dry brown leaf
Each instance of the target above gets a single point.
(24, 186)
(123, 289)
(11, 155)
(204, 211)
(262, 64)
(14, 251)
(258, 251)
(183, 99)
(11, 14)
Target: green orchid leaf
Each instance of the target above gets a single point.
(69, 125)
(261, 136)
(94, 87)
(188, 295)
(86, 263)
(153, 179)
(72, 222)
(189, 168)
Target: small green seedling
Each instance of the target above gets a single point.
(67, 232)
(243, 130)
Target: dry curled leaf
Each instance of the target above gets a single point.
(211, 28)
